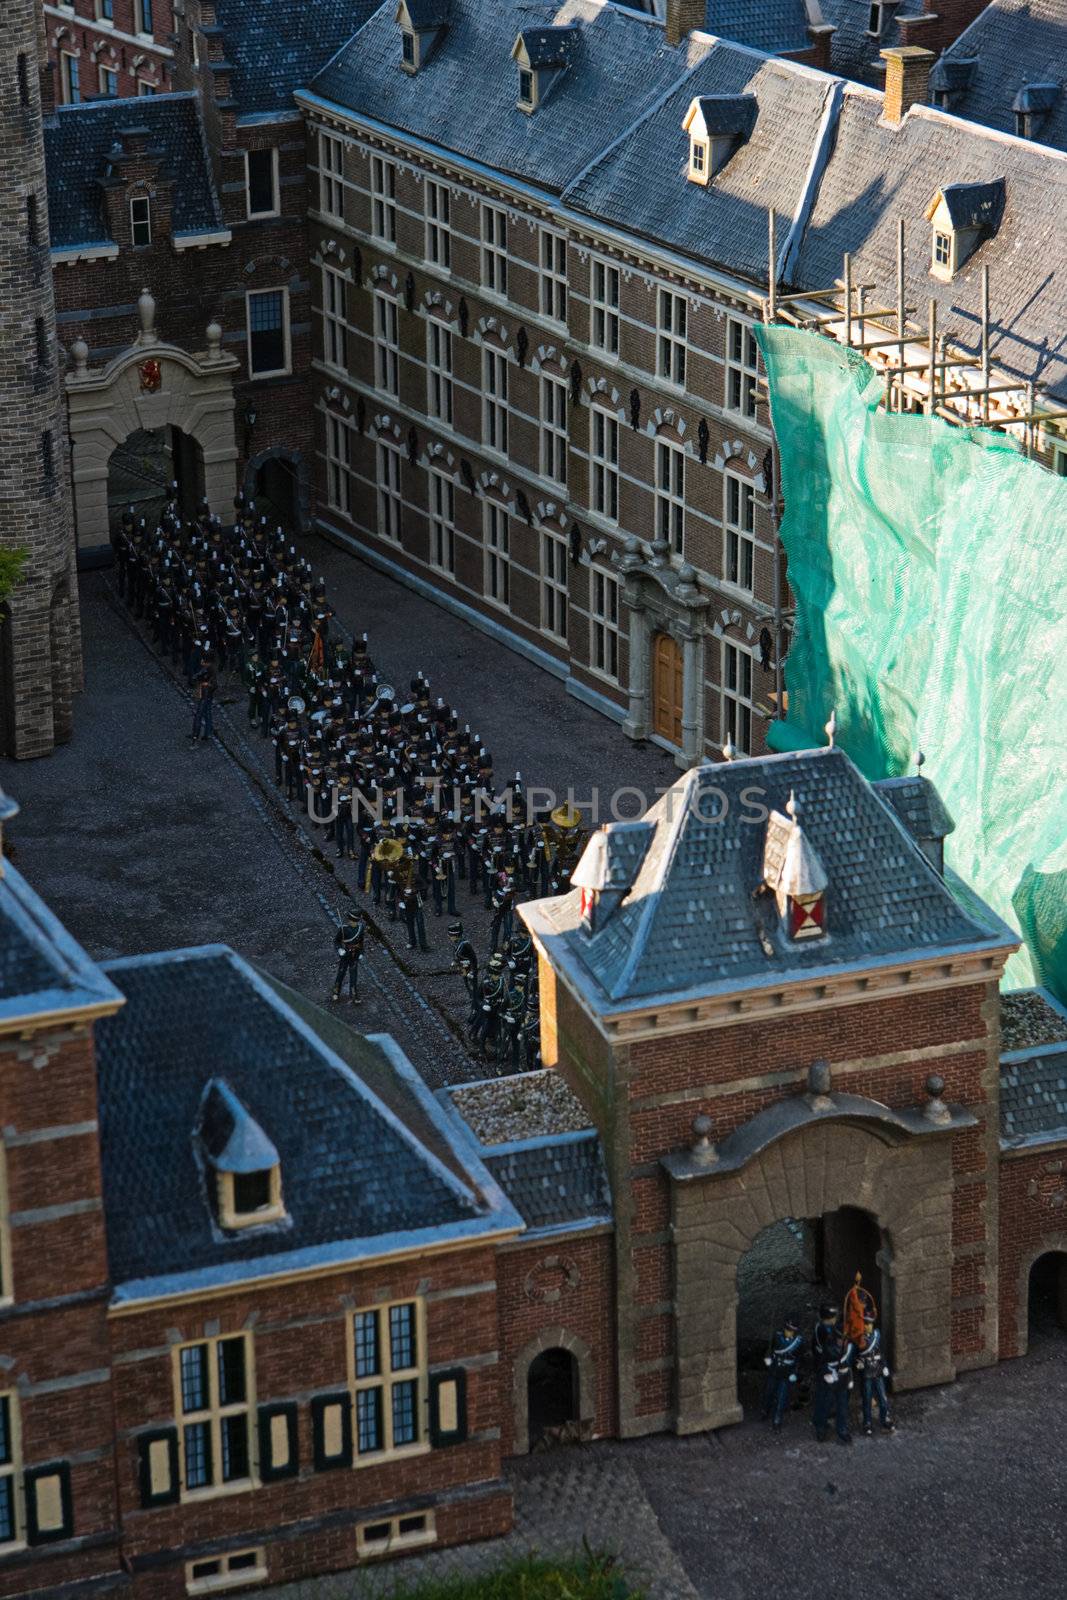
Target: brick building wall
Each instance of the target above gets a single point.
(113, 48)
(1033, 1222)
(40, 638)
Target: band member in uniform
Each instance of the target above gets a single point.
(349, 946)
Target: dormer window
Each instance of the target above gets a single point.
(527, 89)
(608, 870)
(409, 49)
(875, 20)
(246, 1165)
(943, 250)
(961, 216)
(794, 874)
(542, 56)
(422, 22)
(1032, 105)
(716, 124)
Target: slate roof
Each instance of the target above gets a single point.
(355, 1179)
(879, 173)
(553, 1185)
(78, 141)
(771, 25)
(464, 98)
(1014, 42)
(724, 223)
(975, 205)
(918, 805)
(854, 52)
(1033, 1099)
(42, 969)
(692, 922)
(275, 48)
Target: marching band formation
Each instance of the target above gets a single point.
(398, 785)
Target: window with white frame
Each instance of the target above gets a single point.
(261, 183)
(739, 522)
(390, 495)
(671, 341)
(497, 525)
(140, 220)
(331, 176)
(389, 1379)
(386, 344)
(670, 494)
(553, 275)
(495, 249)
(554, 584)
(339, 464)
(383, 199)
(10, 1497)
(214, 1386)
(108, 79)
(104, 10)
(554, 428)
(736, 698)
(604, 623)
(742, 368)
(604, 326)
(604, 463)
(70, 76)
(390, 1534)
(874, 19)
(268, 332)
(145, 88)
(439, 224)
(942, 249)
(439, 369)
(442, 522)
(495, 399)
(213, 1573)
(142, 11)
(334, 318)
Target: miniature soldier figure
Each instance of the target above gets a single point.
(502, 904)
(349, 947)
(833, 1380)
(466, 960)
(411, 908)
(344, 832)
(870, 1364)
(204, 695)
(781, 1362)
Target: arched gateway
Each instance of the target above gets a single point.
(153, 389)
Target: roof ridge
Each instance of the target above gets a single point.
(999, 135)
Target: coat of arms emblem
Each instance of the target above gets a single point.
(151, 376)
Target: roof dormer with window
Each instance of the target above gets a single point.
(716, 125)
(422, 24)
(794, 874)
(542, 56)
(245, 1163)
(961, 216)
(608, 869)
(1031, 107)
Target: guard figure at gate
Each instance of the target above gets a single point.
(349, 947)
(833, 1375)
(782, 1361)
(860, 1308)
(873, 1372)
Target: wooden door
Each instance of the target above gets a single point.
(667, 688)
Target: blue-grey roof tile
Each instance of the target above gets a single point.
(1033, 1098)
(552, 1185)
(775, 26)
(1013, 43)
(275, 48)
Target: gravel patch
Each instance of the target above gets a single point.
(528, 1105)
(1027, 1019)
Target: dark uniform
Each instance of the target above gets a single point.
(833, 1375)
(873, 1372)
(782, 1361)
(349, 947)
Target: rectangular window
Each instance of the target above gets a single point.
(144, 88)
(141, 220)
(742, 368)
(109, 83)
(71, 78)
(268, 332)
(554, 583)
(604, 624)
(495, 399)
(261, 183)
(438, 224)
(672, 335)
(554, 428)
(389, 1377)
(331, 176)
(214, 1386)
(334, 318)
(386, 344)
(383, 199)
(739, 519)
(395, 1533)
(553, 275)
(605, 304)
(390, 497)
(442, 523)
(737, 708)
(143, 16)
(497, 553)
(9, 1468)
(1059, 460)
(439, 369)
(874, 20)
(105, 10)
(495, 249)
(339, 464)
(670, 494)
(943, 249)
(604, 462)
(213, 1573)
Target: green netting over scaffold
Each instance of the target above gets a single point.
(929, 567)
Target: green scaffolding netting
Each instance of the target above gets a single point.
(929, 568)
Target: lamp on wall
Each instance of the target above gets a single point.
(248, 417)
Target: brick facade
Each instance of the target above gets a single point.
(118, 48)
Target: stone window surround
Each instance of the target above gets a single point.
(555, 1338)
(384, 1379)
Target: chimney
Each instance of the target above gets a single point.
(683, 18)
(907, 80)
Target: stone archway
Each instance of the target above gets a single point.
(1053, 1245)
(552, 1339)
(289, 462)
(903, 1182)
(150, 386)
